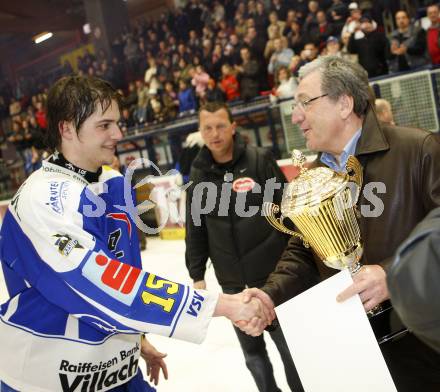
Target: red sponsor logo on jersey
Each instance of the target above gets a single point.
(244, 184)
(119, 276)
(121, 216)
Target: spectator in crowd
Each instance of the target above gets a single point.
(15, 135)
(372, 48)
(282, 56)
(170, 100)
(301, 7)
(194, 41)
(132, 97)
(291, 17)
(213, 93)
(286, 85)
(261, 19)
(232, 49)
(158, 112)
(407, 45)
(229, 83)
(338, 17)
(141, 112)
(40, 115)
(187, 100)
(218, 12)
(333, 47)
(127, 120)
(199, 80)
(268, 50)
(14, 107)
(295, 39)
(309, 53)
(315, 22)
(184, 68)
(384, 112)
(279, 7)
(256, 44)
(216, 62)
(276, 26)
(352, 23)
(248, 75)
(105, 72)
(150, 76)
(433, 36)
(240, 25)
(345, 39)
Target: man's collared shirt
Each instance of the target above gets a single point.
(349, 149)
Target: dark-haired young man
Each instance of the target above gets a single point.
(224, 223)
(79, 300)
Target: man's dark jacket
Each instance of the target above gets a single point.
(407, 161)
(243, 250)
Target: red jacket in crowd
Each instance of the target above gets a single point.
(230, 87)
(433, 44)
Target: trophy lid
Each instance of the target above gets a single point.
(311, 187)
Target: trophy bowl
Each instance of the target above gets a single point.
(322, 205)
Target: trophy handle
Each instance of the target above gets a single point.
(270, 210)
(355, 172)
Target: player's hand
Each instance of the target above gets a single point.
(257, 325)
(155, 361)
(200, 285)
(269, 307)
(371, 285)
(252, 316)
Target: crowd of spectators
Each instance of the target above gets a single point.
(228, 50)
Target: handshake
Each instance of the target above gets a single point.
(252, 310)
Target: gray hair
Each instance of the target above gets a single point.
(340, 77)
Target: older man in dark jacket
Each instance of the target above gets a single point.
(401, 169)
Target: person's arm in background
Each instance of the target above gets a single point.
(196, 238)
(413, 280)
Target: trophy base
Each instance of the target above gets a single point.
(348, 259)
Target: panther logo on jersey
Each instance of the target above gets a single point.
(66, 244)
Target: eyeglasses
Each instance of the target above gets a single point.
(305, 104)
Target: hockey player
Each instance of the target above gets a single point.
(79, 301)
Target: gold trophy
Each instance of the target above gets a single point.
(322, 204)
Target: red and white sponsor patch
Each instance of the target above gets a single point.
(244, 184)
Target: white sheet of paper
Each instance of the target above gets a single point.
(332, 344)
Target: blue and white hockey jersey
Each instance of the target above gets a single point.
(79, 299)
